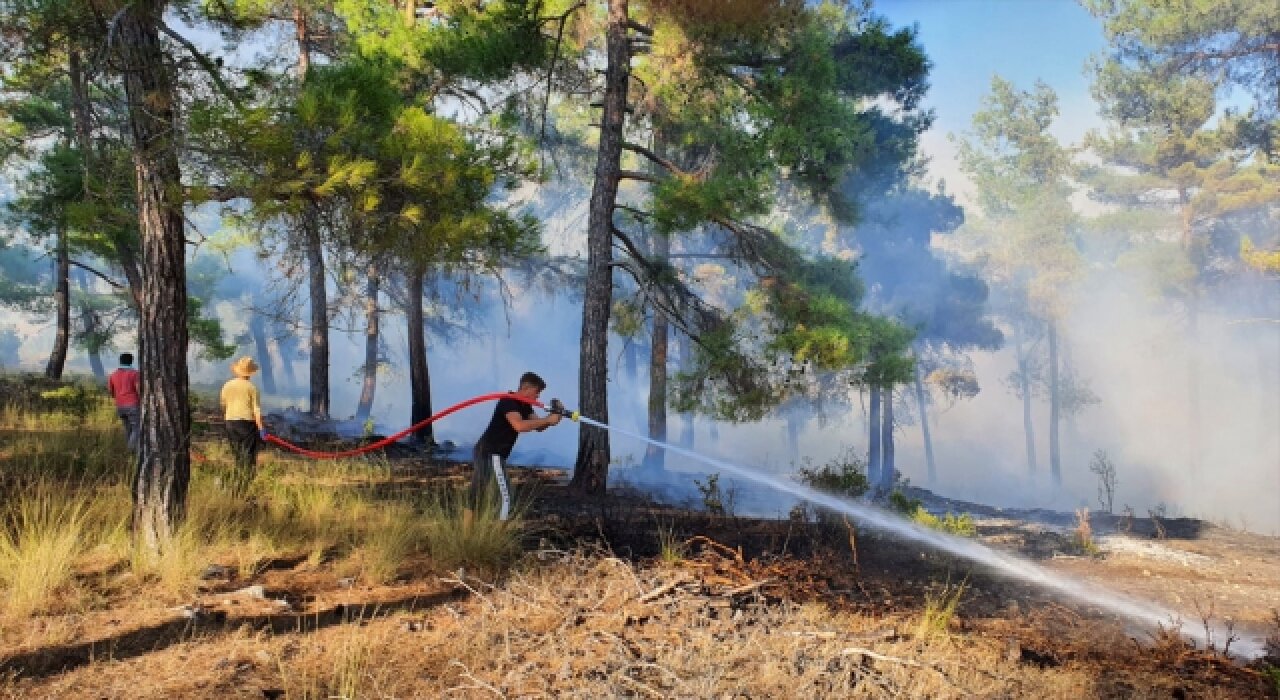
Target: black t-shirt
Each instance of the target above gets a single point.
(499, 438)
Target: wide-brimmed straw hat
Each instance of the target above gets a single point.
(244, 367)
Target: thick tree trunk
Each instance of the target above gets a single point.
(89, 321)
(873, 439)
(319, 316)
(164, 459)
(1055, 406)
(370, 384)
(591, 469)
(62, 305)
(419, 379)
(262, 348)
(1024, 388)
(887, 466)
(922, 402)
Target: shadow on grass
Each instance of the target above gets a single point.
(48, 661)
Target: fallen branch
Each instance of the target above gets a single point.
(663, 589)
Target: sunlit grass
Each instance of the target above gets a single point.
(44, 534)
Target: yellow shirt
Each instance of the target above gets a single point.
(240, 400)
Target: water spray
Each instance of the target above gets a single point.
(1008, 564)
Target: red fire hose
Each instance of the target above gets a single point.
(392, 438)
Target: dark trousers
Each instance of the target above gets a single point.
(483, 479)
(243, 436)
(129, 419)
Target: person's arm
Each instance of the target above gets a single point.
(257, 409)
(525, 425)
(111, 386)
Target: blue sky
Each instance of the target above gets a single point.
(969, 41)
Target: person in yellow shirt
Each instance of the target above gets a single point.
(242, 411)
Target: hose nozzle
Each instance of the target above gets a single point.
(557, 407)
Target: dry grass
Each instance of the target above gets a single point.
(939, 610)
(43, 536)
(488, 548)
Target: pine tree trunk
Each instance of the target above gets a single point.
(793, 435)
(591, 469)
(655, 457)
(1024, 387)
(62, 305)
(288, 347)
(370, 384)
(419, 379)
(873, 439)
(319, 316)
(302, 35)
(309, 221)
(262, 348)
(888, 471)
(922, 402)
(89, 321)
(1055, 406)
(164, 460)
(686, 419)
(631, 359)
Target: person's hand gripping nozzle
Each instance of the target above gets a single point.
(557, 407)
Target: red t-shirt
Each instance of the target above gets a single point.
(123, 386)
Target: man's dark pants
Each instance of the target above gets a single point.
(243, 436)
(483, 479)
(129, 418)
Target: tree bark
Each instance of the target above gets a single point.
(89, 320)
(419, 379)
(1055, 406)
(887, 466)
(922, 402)
(262, 348)
(319, 316)
(655, 457)
(302, 36)
(370, 384)
(164, 460)
(873, 439)
(1024, 387)
(62, 305)
(591, 469)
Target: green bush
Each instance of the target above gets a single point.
(845, 476)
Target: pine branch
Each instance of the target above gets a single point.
(205, 63)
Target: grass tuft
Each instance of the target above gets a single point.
(44, 533)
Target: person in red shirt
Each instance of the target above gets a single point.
(124, 385)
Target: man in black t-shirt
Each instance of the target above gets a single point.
(510, 418)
